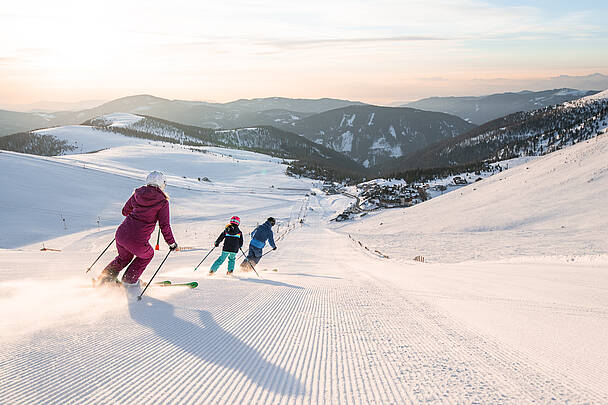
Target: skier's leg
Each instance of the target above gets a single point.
(120, 262)
(144, 256)
(254, 256)
(257, 255)
(218, 262)
(245, 262)
(231, 261)
(255, 260)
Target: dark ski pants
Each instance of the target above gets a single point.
(143, 254)
(253, 256)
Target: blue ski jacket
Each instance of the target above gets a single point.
(261, 234)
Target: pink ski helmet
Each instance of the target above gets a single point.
(235, 220)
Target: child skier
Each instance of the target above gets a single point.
(259, 236)
(147, 205)
(233, 241)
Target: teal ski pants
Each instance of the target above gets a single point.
(231, 259)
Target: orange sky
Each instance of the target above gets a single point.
(378, 52)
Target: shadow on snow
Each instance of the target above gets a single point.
(202, 337)
(270, 282)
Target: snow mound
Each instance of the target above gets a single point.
(88, 139)
(120, 120)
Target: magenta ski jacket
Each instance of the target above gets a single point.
(147, 205)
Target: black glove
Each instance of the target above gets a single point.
(173, 246)
(216, 244)
(274, 248)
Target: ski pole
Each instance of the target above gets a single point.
(196, 268)
(243, 254)
(99, 257)
(157, 247)
(249, 263)
(154, 275)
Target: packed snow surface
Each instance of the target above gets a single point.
(514, 321)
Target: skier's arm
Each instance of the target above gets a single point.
(126, 210)
(241, 240)
(271, 240)
(164, 223)
(220, 238)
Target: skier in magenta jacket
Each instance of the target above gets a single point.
(147, 205)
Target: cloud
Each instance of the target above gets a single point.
(432, 79)
(313, 43)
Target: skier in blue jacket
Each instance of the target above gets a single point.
(259, 236)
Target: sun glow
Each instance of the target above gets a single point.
(376, 52)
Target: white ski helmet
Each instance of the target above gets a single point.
(156, 179)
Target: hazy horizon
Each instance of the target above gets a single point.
(376, 52)
(75, 105)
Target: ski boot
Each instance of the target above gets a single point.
(132, 289)
(107, 277)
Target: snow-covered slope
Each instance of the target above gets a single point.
(121, 129)
(52, 197)
(336, 323)
(551, 206)
(88, 139)
(598, 96)
(122, 120)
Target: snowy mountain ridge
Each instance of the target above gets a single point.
(120, 129)
(530, 133)
(481, 109)
(373, 135)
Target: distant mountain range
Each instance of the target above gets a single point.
(352, 139)
(276, 111)
(373, 135)
(52, 106)
(479, 110)
(264, 139)
(530, 133)
(369, 135)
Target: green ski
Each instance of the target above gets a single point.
(192, 284)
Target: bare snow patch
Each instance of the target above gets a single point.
(381, 144)
(348, 119)
(120, 120)
(346, 142)
(391, 129)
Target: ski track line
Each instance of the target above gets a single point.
(516, 369)
(352, 328)
(215, 373)
(247, 334)
(352, 339)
